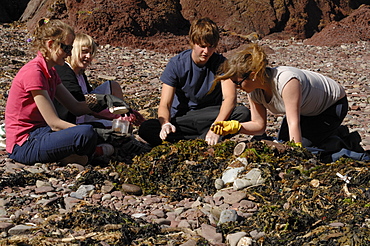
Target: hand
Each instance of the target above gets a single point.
(99, 102)
(212, 138)
(105, 114)
(134, 117)
(167, 128)
(226, 127)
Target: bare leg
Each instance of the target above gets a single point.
(79, 159)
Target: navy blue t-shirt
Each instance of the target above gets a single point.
(192, 83)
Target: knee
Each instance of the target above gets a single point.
(149, 126)
(116, 89)
(149, 131)
(87, 132)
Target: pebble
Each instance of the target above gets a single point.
(21, 229)
(233, 239)
(131, 189)
(229, 215)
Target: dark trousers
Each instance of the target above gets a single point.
(318, 128)
(194, 124)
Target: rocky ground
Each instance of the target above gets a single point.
(26, 191)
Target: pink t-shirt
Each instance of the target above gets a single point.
(21, 113)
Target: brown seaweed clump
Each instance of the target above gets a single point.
(305, 202)
(186, 169)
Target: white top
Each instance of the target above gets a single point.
(318, 91)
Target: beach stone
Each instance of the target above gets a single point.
(70, 202)
(106, 197)
(82, 191)
(159, 213)
(210, 234)
(162, 221)
(117, 194)
(44, 189)
(184, 224)
(233, 239)
(4, 226)
(3, 211)
(131, 189)
(190, 242)
(107, 187)
(253, 177)
(256, 234)
(234, 197)
(245, 241)
(21, 229)
(229, 215)
(336, 224)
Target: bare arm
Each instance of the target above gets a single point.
(292, 96)
(48, 112)
(229, 102)
(257, 125)
(164, 109)
(67, 99)
(227, 106)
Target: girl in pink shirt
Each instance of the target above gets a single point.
(34, 132)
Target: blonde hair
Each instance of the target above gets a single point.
(204, 32)
(243, 63)
(81, 40)
(50, 30)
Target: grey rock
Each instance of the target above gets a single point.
(219, 184)
(70, 202)
(233, 239)
(253, 177)
(82, 191)
(21, 229)
(229, 215)
(2, 211)
(245, 241)
(106, 197)
(256, 234)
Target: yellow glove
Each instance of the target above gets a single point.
(298, 144)
(226, 127)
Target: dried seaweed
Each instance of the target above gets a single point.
(181, 170)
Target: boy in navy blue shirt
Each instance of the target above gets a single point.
(190, 100)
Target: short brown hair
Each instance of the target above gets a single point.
(204, 32)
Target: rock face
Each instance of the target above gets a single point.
(299, 18)
(163, 25)
(115, 22)
(349, 30)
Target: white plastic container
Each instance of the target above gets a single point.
(121, 126)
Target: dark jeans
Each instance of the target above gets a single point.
(320, 127)
(194, 124)
(44, 145)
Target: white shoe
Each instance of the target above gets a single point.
(104, 149)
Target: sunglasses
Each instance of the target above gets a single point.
(239, 83)
(66, 48)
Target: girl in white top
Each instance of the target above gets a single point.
(314, 105)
